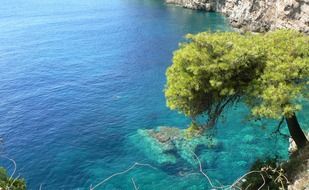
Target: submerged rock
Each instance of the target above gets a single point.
(249, 139)
(169, 145)
(157, 150)
(165, 134)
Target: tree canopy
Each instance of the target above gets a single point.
(284, 82)
(269, 72)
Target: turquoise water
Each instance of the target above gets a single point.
(79, 78)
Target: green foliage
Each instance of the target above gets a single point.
(285, 79)
(273, 176)
(8, 183)
(214, 70)
(210, 69)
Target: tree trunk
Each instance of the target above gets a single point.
(296, 132)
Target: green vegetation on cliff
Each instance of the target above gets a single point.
(269, 72)
(10, 183)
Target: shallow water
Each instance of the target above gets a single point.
(79, 78)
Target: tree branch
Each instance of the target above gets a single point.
(135, 187)
(121, 173)
(277, 131)
(15, 166)
(263, 181)
(204, 174)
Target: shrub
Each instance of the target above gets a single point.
(273, 176)
(10, 183)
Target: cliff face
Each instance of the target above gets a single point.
(207, 5)
(257, 15)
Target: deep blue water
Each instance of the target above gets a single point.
(78, 78)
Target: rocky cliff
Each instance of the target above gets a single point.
(257, 15)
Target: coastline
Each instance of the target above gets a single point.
(256, 16)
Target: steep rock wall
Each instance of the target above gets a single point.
(257, 15)
(207, 5)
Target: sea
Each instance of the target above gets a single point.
(80, 78)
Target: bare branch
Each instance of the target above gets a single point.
(263, 181)
(14, 181)
(279, 127)
(135, 187)
(204, 174)
(248, 186)
(245, 175)
(15, 166)
(121, 173)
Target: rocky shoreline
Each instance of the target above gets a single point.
(256, 16)
(301, 177)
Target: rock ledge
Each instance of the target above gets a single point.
(257, 16)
